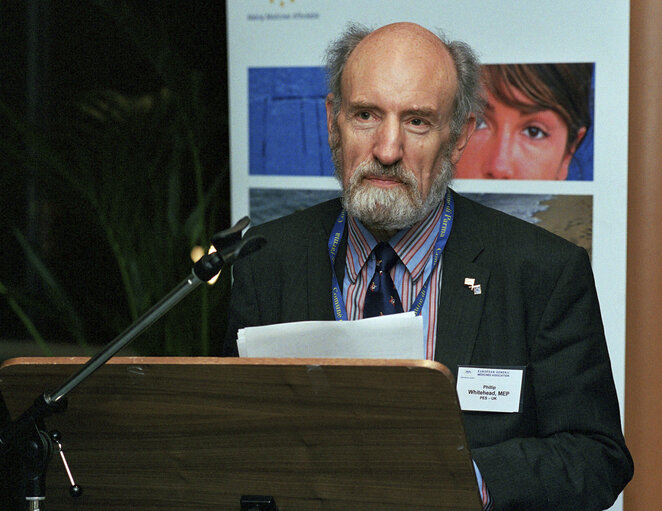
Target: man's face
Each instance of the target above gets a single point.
(391, 138)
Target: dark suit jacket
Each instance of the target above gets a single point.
(538, 308)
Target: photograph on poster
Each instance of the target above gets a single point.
(537, 123)
(568, 216)
(287, 122)
(271, 203)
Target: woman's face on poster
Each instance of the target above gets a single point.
(523, 142)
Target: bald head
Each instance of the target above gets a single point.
(403, 41)
(455, 63)
(390, 50)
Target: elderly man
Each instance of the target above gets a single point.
(402, 107)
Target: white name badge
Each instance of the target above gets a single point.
(489, 389)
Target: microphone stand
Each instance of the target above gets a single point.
(26, 436)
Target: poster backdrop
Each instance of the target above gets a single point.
(562, 165)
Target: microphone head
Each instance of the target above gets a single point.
(228, 237)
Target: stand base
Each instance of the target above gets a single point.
(258, 503)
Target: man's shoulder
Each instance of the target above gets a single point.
(492, 225)
(512, 248)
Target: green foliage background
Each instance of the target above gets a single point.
(127, 184)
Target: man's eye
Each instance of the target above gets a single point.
(365, 116)
(417, 122)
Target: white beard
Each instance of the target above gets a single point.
(394, 208)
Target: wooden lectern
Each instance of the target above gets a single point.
(198, 433)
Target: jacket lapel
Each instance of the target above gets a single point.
(460, 308)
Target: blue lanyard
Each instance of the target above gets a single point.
(338, 301)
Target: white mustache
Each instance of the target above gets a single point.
(375, 169)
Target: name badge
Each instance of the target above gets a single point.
(489, 389)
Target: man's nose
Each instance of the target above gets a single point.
(499, 160)
(389, 142)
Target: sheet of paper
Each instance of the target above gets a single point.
(393, 336)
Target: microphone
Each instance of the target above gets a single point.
(229, 247)
(224, 239)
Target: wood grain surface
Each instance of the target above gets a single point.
(197, 433)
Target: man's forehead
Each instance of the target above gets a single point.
(403, 57)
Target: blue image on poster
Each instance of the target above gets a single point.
(287, 122)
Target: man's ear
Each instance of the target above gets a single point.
(461, 143)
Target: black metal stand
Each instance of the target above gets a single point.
(257, 503)
(26, 436)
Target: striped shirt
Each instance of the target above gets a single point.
(415, 247)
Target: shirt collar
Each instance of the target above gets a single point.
(414, 245)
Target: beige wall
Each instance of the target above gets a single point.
(643, 387)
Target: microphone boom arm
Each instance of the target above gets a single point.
(25, 436)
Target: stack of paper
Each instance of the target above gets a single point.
(396, 336)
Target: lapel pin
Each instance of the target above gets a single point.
(471, 284)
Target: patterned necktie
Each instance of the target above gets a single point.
(381, 297)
